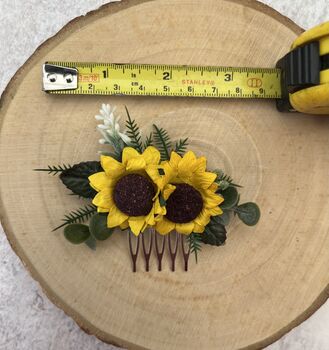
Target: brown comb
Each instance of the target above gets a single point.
(174, 242)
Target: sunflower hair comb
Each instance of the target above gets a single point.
(162, 194)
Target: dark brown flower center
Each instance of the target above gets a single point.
(184, 204)
(133, 195)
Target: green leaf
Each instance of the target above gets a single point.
(162, 142)
(223, 219)
(181, 146)
(194, 241)
(78, 215)
(54, 170)
(76, 233)
(223, 185)
(223, 179)
(214, 234)
(231, 197)
(98, 227)
(149, 141)
(249, 213)
(91, 242)
(134, 133)
(162, 200)
(76, 178)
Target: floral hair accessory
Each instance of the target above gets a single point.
(153, 189)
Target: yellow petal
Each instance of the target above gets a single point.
(151, 155)
(156, 193)
(186, 166)
(211, 199)
(164, 226)
(167, 191)
(149, 218)
(116, 217)
(203, 218)
(153, 172)
(198, 228)
(112, 167)
(200, 164)
(129, 153)
(136, 224)
(188, 159)
(185, 229)
(214, 187)
(102, 210)
(99, 181)
(160, 180)
(104, 199)
(215, 211)
(135, 164)
(124, 225)
(175, 158)
(144, 227)
(189, 156)
(159, 218)
(169, 173)
(203, 180)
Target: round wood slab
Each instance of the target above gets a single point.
(246, 294)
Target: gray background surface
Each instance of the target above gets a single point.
(28, 320)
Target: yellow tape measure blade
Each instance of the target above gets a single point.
(168, 80)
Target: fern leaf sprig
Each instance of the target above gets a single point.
(149, 140)
(221, 176)
(181, 146)
(53, 169)
(162, 142)
(78, 216)
(134, 133)
(194, 241)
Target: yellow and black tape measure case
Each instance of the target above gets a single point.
(299, 82)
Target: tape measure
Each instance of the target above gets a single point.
(166, 80)
(300, 81)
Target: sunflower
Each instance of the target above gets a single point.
(189, 191)
(125, 190)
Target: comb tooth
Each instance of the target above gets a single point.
(159, 252)
(147, 254)
(186, 254)
(132, 253)
(173, 252)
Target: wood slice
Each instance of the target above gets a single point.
(266, 279)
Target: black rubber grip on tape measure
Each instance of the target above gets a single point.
(325, 62)
(300, 69)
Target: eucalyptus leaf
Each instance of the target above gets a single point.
(231, 197)
(76, 233)
(98, 227)
(224, 219)
(91, 242)
(76, 178)
(214, 234)
(248, 213)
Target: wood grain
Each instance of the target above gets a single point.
(266, 279)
